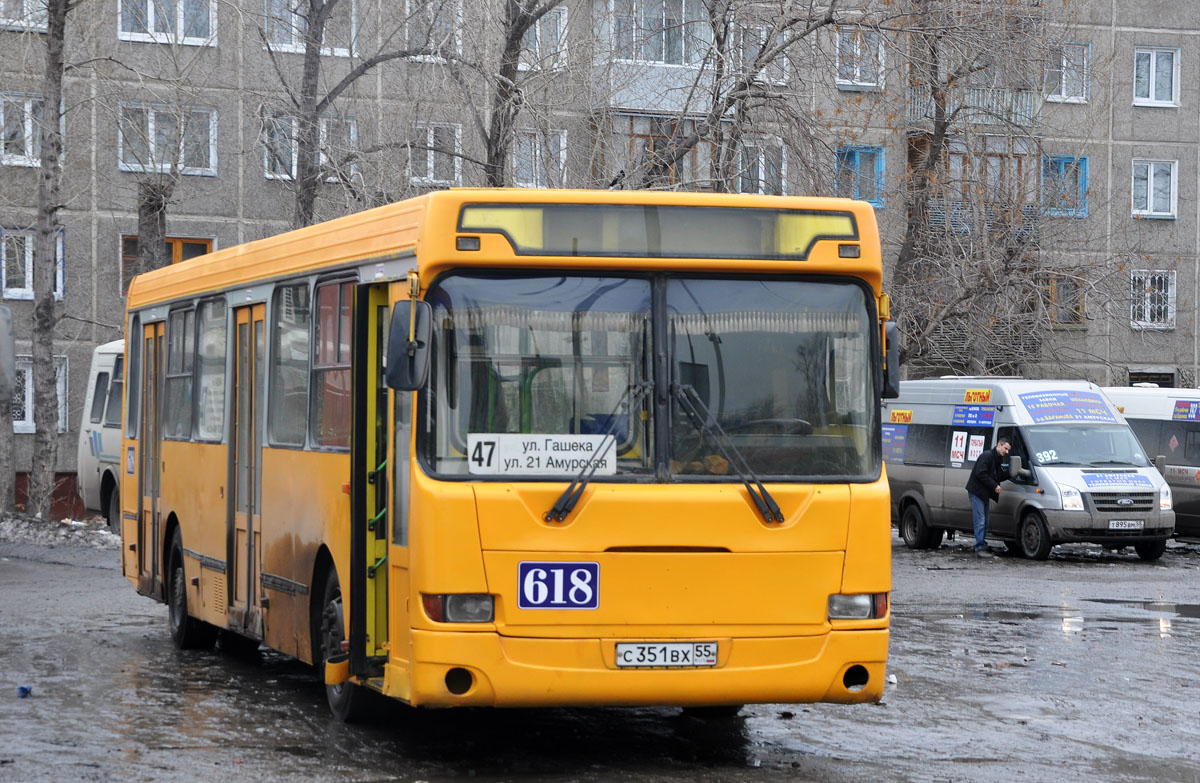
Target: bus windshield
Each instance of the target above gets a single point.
(781, 368)
(1084, 445)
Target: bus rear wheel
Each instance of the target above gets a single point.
(187, 632)
(1035, 538)
(917, 534)
(114, 510)
(347, 701)
(1150, 550)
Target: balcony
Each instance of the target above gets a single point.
(981, 106)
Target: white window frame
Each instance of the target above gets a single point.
(32, 156)
(297, 23)
(776, 71)
(1065, 64)
(549, 61)
(857, 83)
(689, 17)
(33, 18)
(1148, 211)
(427, 129)
(164, 166)
(541, 177)
(268, 120)
(1153, 52)
(26, 292)
(24, 363)
(1140, 295)
(177, 36)
(323, 142)
(759, 145)
(417, 13)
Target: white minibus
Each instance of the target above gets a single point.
(100, 433)
(1077, 472)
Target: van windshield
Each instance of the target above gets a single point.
(1084, 445)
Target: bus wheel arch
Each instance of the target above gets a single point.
(187, 632)
(347, 701)
(1034, 535)
(914, 525)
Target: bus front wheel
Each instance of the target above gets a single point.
(1035, 538)
(347, 701)
(187, 632)
(1150, 550)
(917, 534)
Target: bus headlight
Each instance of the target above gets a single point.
(1072, 499)
(459, 607)
(864, 606)
(1164, 498)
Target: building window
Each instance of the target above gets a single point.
(763, 167)
(859, 58)
(16, 269)
(22, 402)
(168, 21)
(539, 158)
(1155, 192)
(860, 174)
(673, 32)
(1152, 299)
(751, 41)
(337, 139)
(435, 27)
(545, 43)
(23, 15)
(178, 251)
(1155, 77)
(1063, 297)
(649, 137)
(434, 155)
(1067, 72)
(149, 139)
(285, 27)
(1064, 185)
(21, 125)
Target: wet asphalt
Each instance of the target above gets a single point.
(1079, 668)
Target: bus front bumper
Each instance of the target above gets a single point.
(1098, 528)
(452, 669)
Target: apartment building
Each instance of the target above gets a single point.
(204, 103)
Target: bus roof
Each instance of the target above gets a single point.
(1151, 403)
(427, 226)
(978, 399)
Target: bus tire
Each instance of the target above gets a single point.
(1150, 550)
(347, 701)
(917, 534)
(1035, 537)
(114, 510)
(187, 632)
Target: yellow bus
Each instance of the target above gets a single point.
(525, 447)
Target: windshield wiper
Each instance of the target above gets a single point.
(705, 422)
(1113, 462)
(567, 501)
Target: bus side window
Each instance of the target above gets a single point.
(1191, 449)
(1150, 433)
(99, 397)
(1018, 447)
(112, 413)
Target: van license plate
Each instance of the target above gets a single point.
(1126, 524)
(646, 655)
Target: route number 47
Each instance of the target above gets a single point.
(483, 453)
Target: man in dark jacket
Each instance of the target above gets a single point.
(984, 487)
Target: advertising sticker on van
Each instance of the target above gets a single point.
(1116, 481)
(901, 417)
(894, 438)
(977, 395)
(973, 415)
(1067, 405)
(1186, 410)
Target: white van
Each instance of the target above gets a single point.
(1078, 472)
(1167, 422)
(100, 433)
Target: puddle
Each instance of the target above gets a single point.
(1182, 610)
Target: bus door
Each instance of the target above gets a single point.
(245, 450)
(149, 533)
(370, 517)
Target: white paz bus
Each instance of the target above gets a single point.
(100, 433)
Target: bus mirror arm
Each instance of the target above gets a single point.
(408, 345)
(891, 370)
(1160, 462)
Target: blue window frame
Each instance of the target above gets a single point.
(860, 174)
(1064, 185)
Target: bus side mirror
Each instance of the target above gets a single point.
(1014, 467)
(891, 368)
(408, 345)
(1160, 462)
(8, 357)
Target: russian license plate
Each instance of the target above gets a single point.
(646, 655)
(1126, 524)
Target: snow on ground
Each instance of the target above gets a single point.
(90, 533)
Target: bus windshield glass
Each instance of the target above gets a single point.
(781, 370)
(1084, 445)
